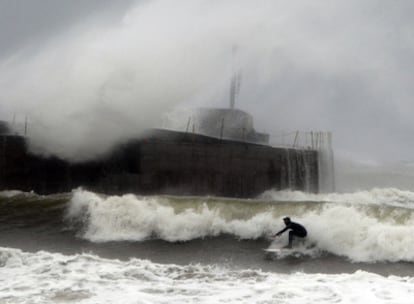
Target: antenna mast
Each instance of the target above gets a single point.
(235, 81)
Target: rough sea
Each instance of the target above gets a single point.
(85, 247)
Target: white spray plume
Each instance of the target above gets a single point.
(336, 66)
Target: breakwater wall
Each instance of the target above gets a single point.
(164, 162)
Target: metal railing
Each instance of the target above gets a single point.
(315, 140)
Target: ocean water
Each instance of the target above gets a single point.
(85, 247)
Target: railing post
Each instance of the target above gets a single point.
(296, 139)
(188, 124)
(25, 126)
(222, 128)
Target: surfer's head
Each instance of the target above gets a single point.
(286, 220)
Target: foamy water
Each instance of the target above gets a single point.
(44, 277)
(376, 196)
(362, 230)
(375, 227)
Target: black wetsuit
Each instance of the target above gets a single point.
(295, 230)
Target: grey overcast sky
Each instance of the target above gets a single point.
(93, 71)
(25, 22)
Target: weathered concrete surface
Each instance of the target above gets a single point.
(165, 162)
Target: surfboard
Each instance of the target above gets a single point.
(303, 249)
(287, 252)
(278, 250)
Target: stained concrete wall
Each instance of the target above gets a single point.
(165, 162)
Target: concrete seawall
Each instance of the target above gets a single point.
(164, 162)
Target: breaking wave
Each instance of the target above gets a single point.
(371, 226)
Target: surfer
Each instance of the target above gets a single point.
(295, 230)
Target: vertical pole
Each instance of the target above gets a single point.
(25, 126)
(235, 80)
(306, 139)
(296, 139)
(316, 140)
(222, 128)
(188, 124)
(312, 144)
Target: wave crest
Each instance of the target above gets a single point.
(359, 232)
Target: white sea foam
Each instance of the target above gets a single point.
(129, 217)
(45, 277)
(353, 233)
(376, 196)
(359, 232)
(12, 193)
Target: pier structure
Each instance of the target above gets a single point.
(163, 162)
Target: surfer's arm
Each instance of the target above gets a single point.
(281, 231)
